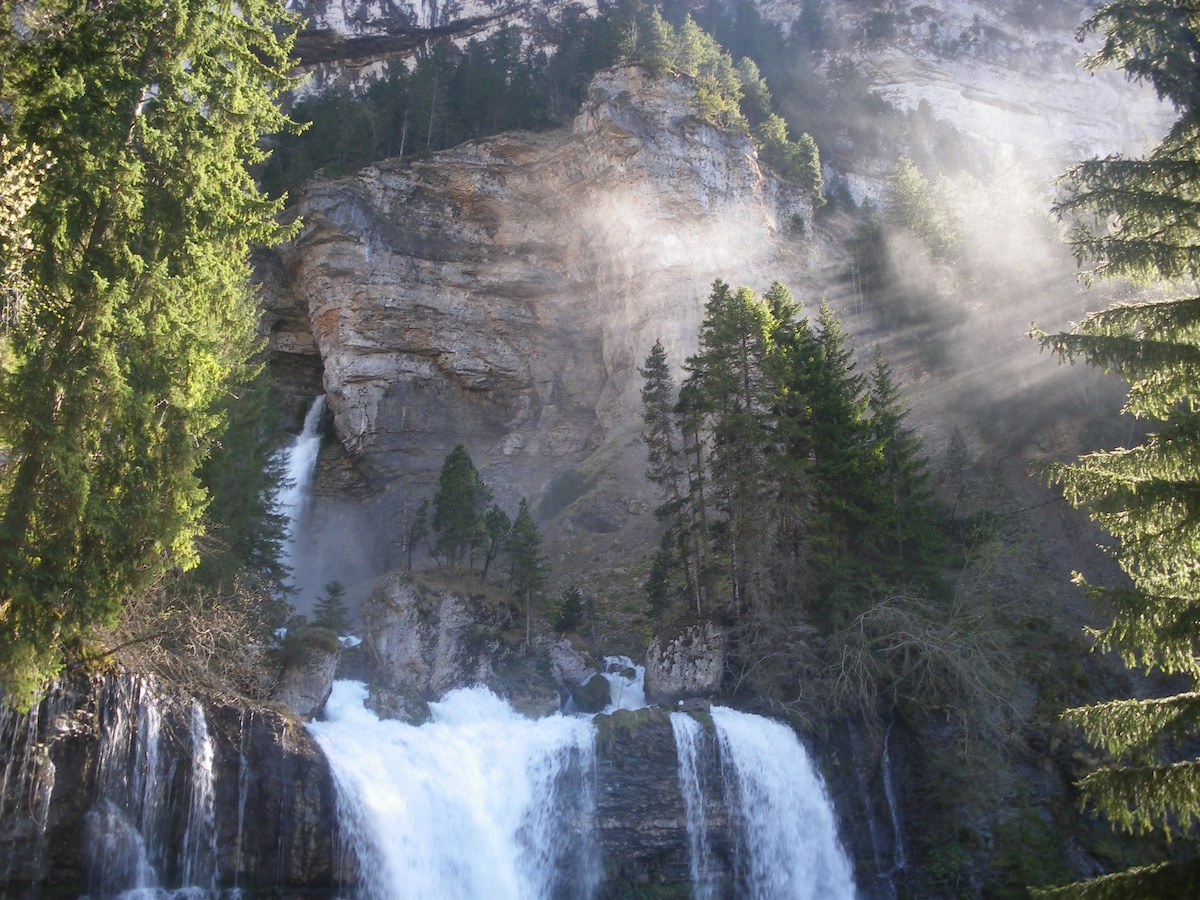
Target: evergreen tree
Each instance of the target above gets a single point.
(793, 351)
(846, 462)
(527, 573)
(418, 531)
(331, 611)
(458, 506)
(570, 611)
(496, 527)
(911, 203)
(735, 397)
(667, 465)
(907, 522)
(138, 316)
(242, 477)
(1147, 496)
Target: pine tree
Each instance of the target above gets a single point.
(458, 506)
(527, 573)
(418, 530)
(139, 315)
(331, 611)
(735, 398)
(496, 527)
(1147, 496)
(907, 522)
(667, 467)
(570, 611)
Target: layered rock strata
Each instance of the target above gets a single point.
(504, 293)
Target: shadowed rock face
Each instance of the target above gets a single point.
(75, 787)
(504, 293)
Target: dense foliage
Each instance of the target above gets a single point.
(792, 491)
(465, 527)
(1137, 218)
(499, 84)
(136, 316)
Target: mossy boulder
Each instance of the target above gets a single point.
(593, 695)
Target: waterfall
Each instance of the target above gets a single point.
(295, 497)
(786, 843)
(689, 744)
(626, 683)
(200, 836)
(127, 820)
(479, 802)
(28, 778)
(899, 861)
(132, 842)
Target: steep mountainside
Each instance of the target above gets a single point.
(503, 294)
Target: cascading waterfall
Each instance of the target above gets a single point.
(129, 827)
(28, 777)
(126, 819)
(786, 843)
(200, 837)
(689, 744)
(626, 683)
(900, 860)
(300, 463)
(478, 802)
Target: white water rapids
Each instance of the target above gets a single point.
(481, 802)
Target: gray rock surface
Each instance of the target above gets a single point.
(424, 642)
(505, 292)
(690, 664)
(307, 679)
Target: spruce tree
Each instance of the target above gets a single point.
(138, 314)
(458, 506)
(496, 527)
(735, 397)
(331, 611)
(907, 521)
(1146, 496)
(527, 573)
(667, 467)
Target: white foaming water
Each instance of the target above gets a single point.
(200, 836)
(626, 683)
(480, 802)
(788, 845)
(300, 463)
(689, 738)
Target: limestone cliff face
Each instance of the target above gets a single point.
(504, 293)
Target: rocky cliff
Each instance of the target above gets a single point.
(116, 782)
(504, 293)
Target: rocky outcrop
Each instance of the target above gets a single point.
(310, 664)
(640, 814)
(690, 664)
(424, 642)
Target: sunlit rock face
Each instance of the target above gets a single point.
(503, 294)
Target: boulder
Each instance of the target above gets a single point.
(593, 695)
(308, 672)
(423, 641)
(690, 664)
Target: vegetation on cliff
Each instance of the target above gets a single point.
(797, 510)
(500, 84)
(132, 321)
